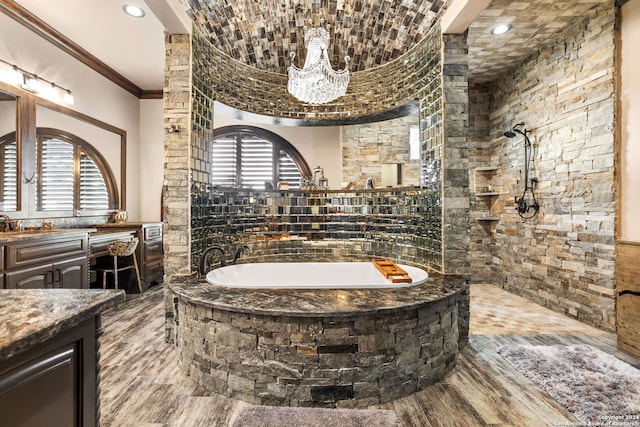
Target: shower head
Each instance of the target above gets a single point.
(511, 133)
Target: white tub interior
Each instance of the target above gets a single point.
(309, 275)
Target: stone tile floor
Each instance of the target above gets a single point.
(496, 311)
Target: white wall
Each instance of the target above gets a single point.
(151, 162)
(630, 123)
(94, 95)
(319, 145)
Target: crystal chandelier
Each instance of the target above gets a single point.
(317, 82)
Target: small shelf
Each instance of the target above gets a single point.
(488, 219)
(488, 194)
(486, 169)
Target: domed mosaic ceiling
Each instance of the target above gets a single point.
(263, 33)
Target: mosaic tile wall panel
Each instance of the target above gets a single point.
(405, 225)
(431, 139)
(372, 91)
(312, 225)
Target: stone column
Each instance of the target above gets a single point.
(176, 209)
(177, 155)
(455, 161)
(455, 164)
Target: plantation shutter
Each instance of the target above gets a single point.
(224, 161)
(9, 190)
(93, 191)
(257, 162)
(56, 182)
(288, 170)
(251, 157)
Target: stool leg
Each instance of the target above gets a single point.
(115, 272)
(104, 279)
(135, 263)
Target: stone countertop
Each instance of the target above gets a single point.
(126, 224)
(32, 316)
(15, 236)
(317, 302)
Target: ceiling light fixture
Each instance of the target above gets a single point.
(500, 29)
(18, 77)
(133, 10)
(317, 82)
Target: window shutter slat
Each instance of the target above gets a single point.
(56, 182)
(93, 191)
(9, 201)
(257, 155)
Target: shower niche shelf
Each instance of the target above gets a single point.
(484, 181)
(486, 169)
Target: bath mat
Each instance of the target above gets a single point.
(276, 416)
(591, 384)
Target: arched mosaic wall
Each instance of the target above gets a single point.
(434, 72)
(372, 91)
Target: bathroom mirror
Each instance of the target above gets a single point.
(101, 161)
(8, 152)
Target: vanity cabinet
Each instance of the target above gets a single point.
(149, 251)
(52, 384)
(50, 260)
(49, 356)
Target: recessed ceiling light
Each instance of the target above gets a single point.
(500, 29)
(133, 10)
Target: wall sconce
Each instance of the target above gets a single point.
(173, 129)
(18, 77)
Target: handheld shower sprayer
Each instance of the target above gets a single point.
(527, 209)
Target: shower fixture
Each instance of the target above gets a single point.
(527, 207)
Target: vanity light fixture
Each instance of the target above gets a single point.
(500, 29)
(18, 77)
(133, 10)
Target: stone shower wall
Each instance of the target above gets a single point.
(366, 147)
(482, 231)
(563, 258)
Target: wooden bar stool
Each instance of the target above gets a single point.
(119, 249)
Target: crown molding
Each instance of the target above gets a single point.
(44, 30)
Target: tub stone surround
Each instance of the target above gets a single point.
(324, 348)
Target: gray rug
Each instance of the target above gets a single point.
(591, 384)
(274, 416)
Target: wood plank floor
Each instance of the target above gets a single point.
(143, 386)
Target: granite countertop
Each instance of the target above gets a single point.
(317, 302)
(14, 236)
(32, 316)
(126, 224)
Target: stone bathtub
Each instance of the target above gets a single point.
(318, 347)
(309, 275)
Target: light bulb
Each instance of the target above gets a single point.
(51, 92)
(68, 98)
(500, 29)
(32, 84)
(133, 10)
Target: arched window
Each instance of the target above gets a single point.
(250, 157)
(70, 173)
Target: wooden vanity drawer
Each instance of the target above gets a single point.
(39, 251)
(151, 233)
(153, 250)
